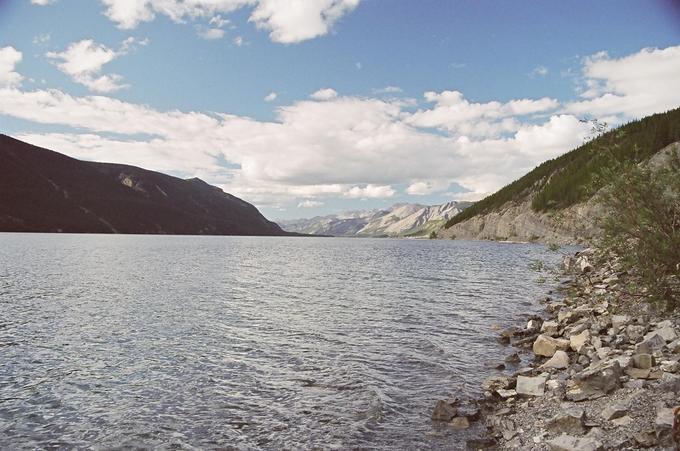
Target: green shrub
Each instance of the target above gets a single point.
(641, 225)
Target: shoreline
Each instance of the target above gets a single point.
(602, 372)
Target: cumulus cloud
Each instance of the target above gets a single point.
(287, 21)
(83, 62)
(363, 148)
(42, 2)
(370, 192)
(9, 58)
(453, 113)
(308, 203)
(270, 97)
(324, 94)
(629, 87)
(211, 33)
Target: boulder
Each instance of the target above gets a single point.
(667, 333)
(635, 332)
(638, 373)
(663, 424)
(614, 410)
(550, 328)
(494, 383)
(651, 342)
(603, 377)
(460, 423)
(570, 443)
(445, 410)
(643, 361)
(546, 346)
(559, 360)
(577, 342)
(622, 421)
(619, 321)
(531, 386)
(674, 346)
(670, 366)
(571, 420)
(506, 393)
(670, 383)
(513, 358)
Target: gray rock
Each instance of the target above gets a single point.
(643, 361)
(506, 393)
(460, 423)
(667, 333)
(513, 358)
(614, 410)
(571, 420)
(577, 342)
(674, 346)
(652, 342)
(603, 377)
(570, 443)
(619, 321)
(531, 386)
(494, 383)
(560, 361)
(646, 439)
(546, 346)
(550, 328)
(670, 366)
(635, 333)
(670, 382)
(445, 410)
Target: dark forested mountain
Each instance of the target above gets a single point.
(45, 191)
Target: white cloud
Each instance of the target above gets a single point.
(540, 71)
(324, 94)
(455, 114)
(270, 97)
(238, 41)
(83, 62)
(422, 188)
(9, 58)
(43, 2)
(388, 90)
(287, 21)
(211, 33)
(632, 86)
(42, 39)
(363, 148)
(370, 192)
(292, 21)
(308, 203)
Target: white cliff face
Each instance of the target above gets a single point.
(518, 222)
(398, 220)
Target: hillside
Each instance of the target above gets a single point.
(557, 201)
(45, 191)
(398, 220)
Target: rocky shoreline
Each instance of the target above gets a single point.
(603, 372)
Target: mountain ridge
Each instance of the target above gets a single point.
(46, 191)
(401, 219)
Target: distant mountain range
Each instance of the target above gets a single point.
(397, 221)
(45, 191)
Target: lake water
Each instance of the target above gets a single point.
(248, 342)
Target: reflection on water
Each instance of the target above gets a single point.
(209, 342)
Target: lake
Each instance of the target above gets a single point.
(250, 342)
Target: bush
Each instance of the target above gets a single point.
(641, 225)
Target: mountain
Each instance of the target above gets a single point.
(398, 220)
(558, 200)
(45, 191)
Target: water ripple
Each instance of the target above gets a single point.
(119, 342)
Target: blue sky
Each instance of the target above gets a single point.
(420, 101)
